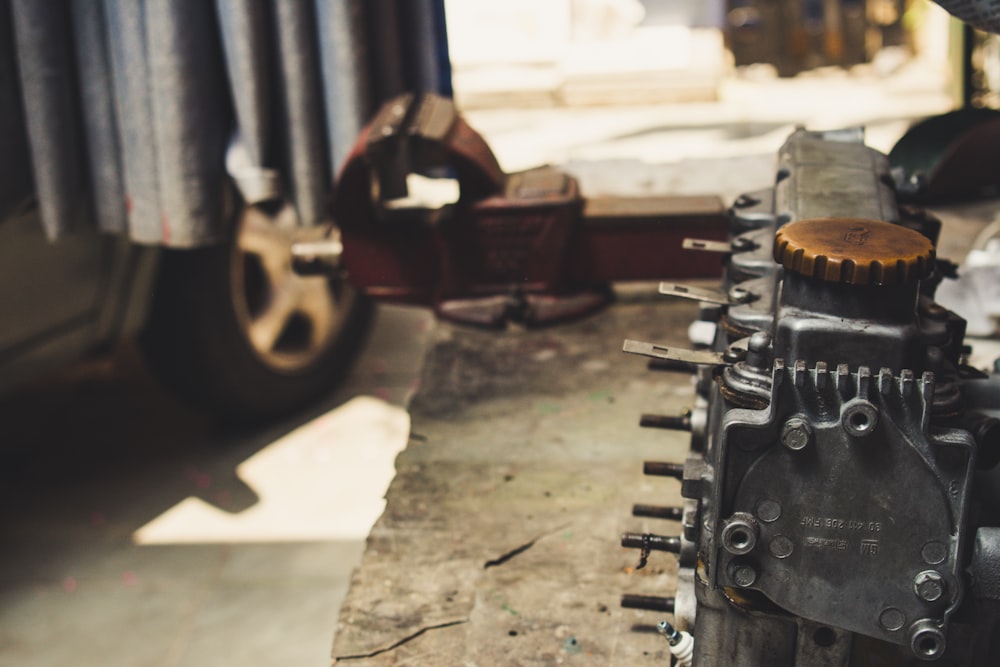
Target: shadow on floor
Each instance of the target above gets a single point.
(91, 456)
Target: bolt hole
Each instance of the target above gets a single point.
(824, 637)
(740, 539)
(928, 646)
(512, 633)
(859, 420)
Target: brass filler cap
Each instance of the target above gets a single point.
(854, 251)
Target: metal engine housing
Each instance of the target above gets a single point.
(832, 515)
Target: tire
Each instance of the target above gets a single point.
(233, 330)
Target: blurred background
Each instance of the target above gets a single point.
(137, 530)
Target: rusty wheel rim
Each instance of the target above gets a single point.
(289, 321)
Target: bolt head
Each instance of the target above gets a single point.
(734, 354)
(738, 294)
(760, 341)
(796, 434)
(744, 576)
(929, 585)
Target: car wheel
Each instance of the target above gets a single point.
(234, 330)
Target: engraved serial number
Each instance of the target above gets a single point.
(826, 543)
(834, 523)
(869, 548)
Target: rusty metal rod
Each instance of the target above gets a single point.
(658, 512)
(671, 422)
(648, 602)
(663, 469)
(653, 542)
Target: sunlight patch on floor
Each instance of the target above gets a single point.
(325, 480)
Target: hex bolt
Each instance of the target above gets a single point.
(796, 434)
(929, 585)
(744, 576)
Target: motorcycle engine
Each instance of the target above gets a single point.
(832, 511)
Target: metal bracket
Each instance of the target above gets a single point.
(695, 293)
(698, 357)
(705, 245)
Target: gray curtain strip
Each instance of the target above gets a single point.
(130, 73)
(244, 29)
(305, 155)
(48, 88)
(344, 64)
(17, 185)
(99, 116)
(191, 119)
(143, 96)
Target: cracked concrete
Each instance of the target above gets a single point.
(507, 556)
(508, 509)
(402, 641)
(517, 551)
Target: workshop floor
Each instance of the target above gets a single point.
(134, 532)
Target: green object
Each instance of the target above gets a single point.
(571, 645)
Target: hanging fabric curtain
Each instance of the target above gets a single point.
(140, 113)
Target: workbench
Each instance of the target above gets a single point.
(499, 544)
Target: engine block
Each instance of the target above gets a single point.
(837, 509)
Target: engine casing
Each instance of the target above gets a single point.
(832, 514)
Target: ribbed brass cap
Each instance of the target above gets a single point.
(854, 251)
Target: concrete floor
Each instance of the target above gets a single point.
(135, 532)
